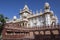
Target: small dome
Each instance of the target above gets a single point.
(56, 17)
(14, 17)
(46, 4)
(53, 18)
(52, 12)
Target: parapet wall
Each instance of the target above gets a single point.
(40, 33)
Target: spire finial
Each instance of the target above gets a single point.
(36, 11)
(26, 7)
(40, 10)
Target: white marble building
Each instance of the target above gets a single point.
(29, 19)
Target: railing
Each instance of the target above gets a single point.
(35, 28)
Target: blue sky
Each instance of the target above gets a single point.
(10, 8)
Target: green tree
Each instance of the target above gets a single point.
(2, 22)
